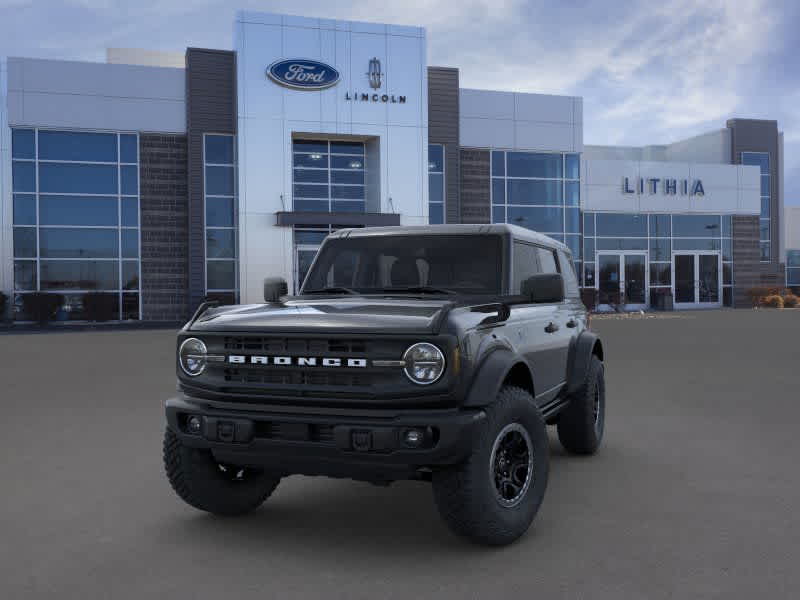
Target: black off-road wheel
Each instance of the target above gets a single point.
(581, 423)
(208, 485)
(493, 496)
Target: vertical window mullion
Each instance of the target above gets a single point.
(119, 230)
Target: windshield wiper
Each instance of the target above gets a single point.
(417, 289)
(331, 290)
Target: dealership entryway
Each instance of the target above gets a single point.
(697, 279)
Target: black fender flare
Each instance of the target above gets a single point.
(489, 376)
(587, 345)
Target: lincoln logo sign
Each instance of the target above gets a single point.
(302, 74)
(298, 361)
(667, 186)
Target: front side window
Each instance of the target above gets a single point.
(409, 263)
(526, 264)
(76, 221)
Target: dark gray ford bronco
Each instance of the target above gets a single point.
(431, 353)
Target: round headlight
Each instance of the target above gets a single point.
(192, 357)
(424, 363)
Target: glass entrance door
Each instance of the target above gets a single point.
(697, 279)
(622, 280)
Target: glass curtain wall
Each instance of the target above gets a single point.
(435, 184)
(793, 268)
(328, 176)
(540, 191)
(76, 221)
(221, 226)
(660, 235)
(761, 160)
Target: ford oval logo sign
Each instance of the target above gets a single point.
(303, 74)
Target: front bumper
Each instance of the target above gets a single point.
(366, 445)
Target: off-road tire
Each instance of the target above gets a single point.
(200, 482)
(466, 494)
(580, 429)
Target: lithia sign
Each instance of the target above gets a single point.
(306, 74)
(667, 186)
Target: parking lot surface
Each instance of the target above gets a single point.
(695, 493)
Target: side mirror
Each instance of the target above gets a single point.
(274, 288)
(544, 288)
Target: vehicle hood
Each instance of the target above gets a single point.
(323, 315)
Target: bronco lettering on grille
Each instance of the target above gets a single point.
(300, 361)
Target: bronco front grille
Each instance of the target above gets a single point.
(297, 377)
(294, 345)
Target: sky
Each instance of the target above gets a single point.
(649, 72)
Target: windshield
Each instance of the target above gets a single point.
(435, 264)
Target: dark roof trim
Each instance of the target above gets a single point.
(288, 219)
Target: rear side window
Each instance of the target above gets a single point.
(547, 260)
(526, 264)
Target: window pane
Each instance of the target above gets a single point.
(221, 274)
(498, 191)
(130, 274)
(219, 149)
(727, 225)
(25, 242)
(220, 243)
(660, 274)
(727, 273)
(660, 249)
(588, 224)
(498, 214)
(309, 237)
(763, 229)
(77, 179)
(621, 243)
(129, 180)
(74, 145)
(436, 187)
(436, 213)
(356, 177)
(660, 226)
(128, 149)
(311, 205)
(130, 212)
(23, 144)
(347, 192)
(793, 258)
(526, 191)
(544, 219)
(130, 307)
(727, 297)
(318, 161)
(219, 212)
(219, 181)
(547, 260)
(498, 163)
(793, 277)
(347, 148)
(435, 158)
(79, 275)
(343, 162)
(573, 220)
(310, 146)
(588, 274)
(78, 243)
(573, 166)
(311, 175)
(765, 185)
(25, 275)
(588, 249)
(348, 206)
(24, 209)
(574, 243)
(624, 225)
(530, 164)
(573, 193)
(695, 244)
(23, 176)
(77, 210)
(130, 243)
(765, 208)
(765, 251)
(759, 159)
(310, 191)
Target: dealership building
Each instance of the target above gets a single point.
(163, 179)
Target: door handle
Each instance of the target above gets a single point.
(572, 323)
(551, 327)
